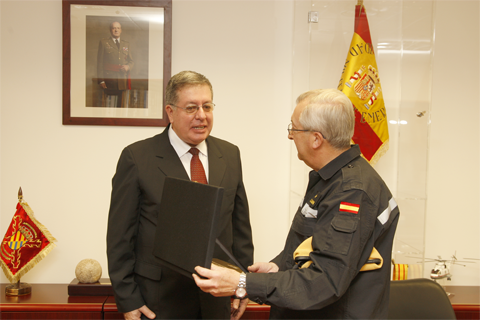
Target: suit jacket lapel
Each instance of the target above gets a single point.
(216, 164)
(168, 161)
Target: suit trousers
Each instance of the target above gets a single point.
(176, 296)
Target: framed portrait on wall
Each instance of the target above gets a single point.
(116, 62)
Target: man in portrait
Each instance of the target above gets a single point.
(114, 63)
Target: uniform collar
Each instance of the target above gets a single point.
(339, 162)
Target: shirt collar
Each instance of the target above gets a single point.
(339, 162)
(181, 148)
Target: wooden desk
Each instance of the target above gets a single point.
(50, 301)
(465, 301)
(110, 309)
(256, 311)
(253, 311)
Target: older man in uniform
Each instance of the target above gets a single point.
(347, 211)
(114, 62)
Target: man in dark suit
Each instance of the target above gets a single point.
(140, 283)
(114, 62)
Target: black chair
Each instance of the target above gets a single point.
(419, 299)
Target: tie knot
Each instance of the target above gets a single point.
(194, 151)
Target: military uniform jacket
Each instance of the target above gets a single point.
(136, 195)
(109, 60)
(355, 212)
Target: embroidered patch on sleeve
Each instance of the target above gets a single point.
(349, 207)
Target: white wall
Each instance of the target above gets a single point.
(453, 220)
(246, 48)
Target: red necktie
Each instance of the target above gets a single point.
(196, 168)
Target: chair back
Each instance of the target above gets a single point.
(419, 299)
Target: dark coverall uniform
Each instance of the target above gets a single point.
(355, 212)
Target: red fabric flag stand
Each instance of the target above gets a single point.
(26, 242)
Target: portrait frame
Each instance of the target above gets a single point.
(86, 24)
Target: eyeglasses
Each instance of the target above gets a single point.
(193, 108)
(291, 130)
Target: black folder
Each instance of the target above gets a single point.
(186, 228)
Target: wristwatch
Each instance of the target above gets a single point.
(241, 291)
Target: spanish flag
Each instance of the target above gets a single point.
(26, 242)
(360, 81)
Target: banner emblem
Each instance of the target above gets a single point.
(367, 84)
(16, 241)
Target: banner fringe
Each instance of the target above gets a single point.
(42, 228)
(380, 152)
(32, 263)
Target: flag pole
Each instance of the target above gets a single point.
(18, 289)
(359, 3)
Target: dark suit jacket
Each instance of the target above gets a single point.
(136, 194)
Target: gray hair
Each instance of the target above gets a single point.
(330, 112)
(181, 80)
(111, 24)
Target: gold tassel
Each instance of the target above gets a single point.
(380, 152)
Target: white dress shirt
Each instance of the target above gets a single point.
(181, 148)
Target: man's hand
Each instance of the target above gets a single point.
(125, 68)
(238, 308)
(220, 282)
(263, 267)
(136, 314)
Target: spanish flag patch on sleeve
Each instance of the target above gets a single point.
(349, 207)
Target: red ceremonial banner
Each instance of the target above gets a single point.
(26, 242)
